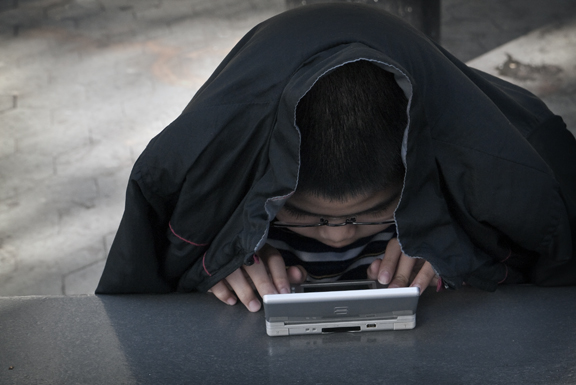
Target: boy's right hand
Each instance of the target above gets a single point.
(268, 275)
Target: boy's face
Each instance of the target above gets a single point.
(305, 208)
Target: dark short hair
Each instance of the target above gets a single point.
(352, 123)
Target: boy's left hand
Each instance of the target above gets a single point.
(396, 269)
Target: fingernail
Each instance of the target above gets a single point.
(418, 286)
(231, 301)
(254, 305)
(384, 278)
(284, 290)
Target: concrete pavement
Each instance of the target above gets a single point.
(85, 84)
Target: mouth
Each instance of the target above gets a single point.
(337, 245)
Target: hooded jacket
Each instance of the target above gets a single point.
(489, 194)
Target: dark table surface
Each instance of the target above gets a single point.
(517, 335)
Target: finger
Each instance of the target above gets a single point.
(419, 262)
(279, 274)
(260, 278)
(403, 270)
(425, 277)
(223, 293)
(389, 263)
(297, 274)
(243, 290)
(372, 271)
(276, 267)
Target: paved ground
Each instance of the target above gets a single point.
(85, 84)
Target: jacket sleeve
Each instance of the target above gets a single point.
(134, 263)
(537, 214)
(557, 147)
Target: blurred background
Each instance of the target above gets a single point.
(85, 84)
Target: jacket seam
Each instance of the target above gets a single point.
(204, 265)
(491, 155)
(184, 239)
(505, 274)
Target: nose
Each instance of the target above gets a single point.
(337, 236)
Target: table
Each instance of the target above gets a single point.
(517, 335)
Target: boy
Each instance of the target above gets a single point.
(476, 174)
(351, 123)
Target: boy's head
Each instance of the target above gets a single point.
(352, 123)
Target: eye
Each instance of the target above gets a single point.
(374, 215)
(295, 213)
(377, 213)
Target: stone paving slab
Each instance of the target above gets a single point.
(93, 81)
(542, 61)
(85, 84)
(472, 28)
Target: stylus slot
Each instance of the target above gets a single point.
(341, 329)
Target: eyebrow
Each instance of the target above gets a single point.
(377, 207)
